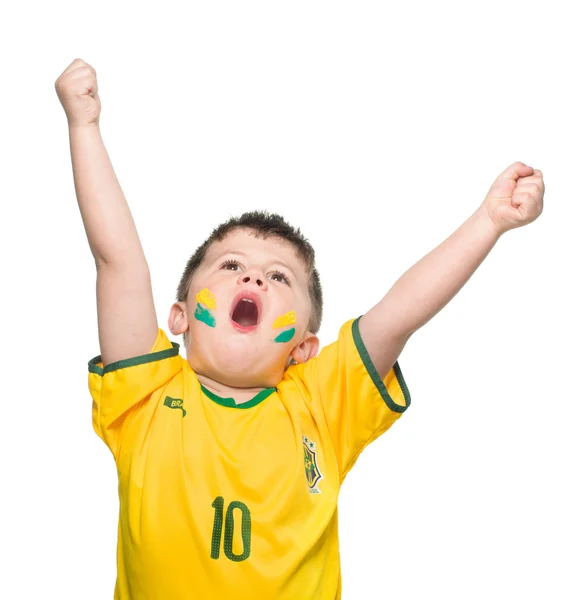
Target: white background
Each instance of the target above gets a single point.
(377, 128)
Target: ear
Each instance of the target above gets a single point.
(307, 349)
(178, 318)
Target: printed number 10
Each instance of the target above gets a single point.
(218, 506)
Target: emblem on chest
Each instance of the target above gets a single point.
(312, 471)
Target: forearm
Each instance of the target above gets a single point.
(424, 289)
(108, 222)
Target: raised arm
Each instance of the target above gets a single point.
(515, 199)
(125, 307)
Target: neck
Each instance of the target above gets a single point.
(240, 395)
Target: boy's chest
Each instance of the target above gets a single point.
(206, 476)
(275, 454)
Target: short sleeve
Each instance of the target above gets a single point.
(357, 404)
(119, 387)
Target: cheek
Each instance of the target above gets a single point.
(286, 336)
(289, 318)
(205, 316)
(205, 307)
(205, 296)
(284, 327)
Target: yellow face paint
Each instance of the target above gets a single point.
(206, 297)
(289, 319)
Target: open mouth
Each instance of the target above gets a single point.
(246, 311)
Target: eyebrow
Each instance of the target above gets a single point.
(240, 253)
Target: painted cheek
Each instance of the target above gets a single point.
(289, 319)
(206, 297)
(205, 316)
(285, 336)
(202, 313)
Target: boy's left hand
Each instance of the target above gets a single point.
(515, 198)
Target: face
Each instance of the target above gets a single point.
(247, 312)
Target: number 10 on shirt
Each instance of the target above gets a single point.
(218, 506)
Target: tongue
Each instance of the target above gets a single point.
(245, 313)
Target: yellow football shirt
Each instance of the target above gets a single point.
(225, 501)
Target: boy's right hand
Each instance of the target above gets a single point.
(77, 91)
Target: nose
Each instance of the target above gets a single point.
(252, 277)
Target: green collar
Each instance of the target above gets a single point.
(230, 401)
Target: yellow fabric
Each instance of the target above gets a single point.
(224, 502)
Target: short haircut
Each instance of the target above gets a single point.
(265, 225)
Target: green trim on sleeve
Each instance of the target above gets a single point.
(232, 404)
(375, 375)
(132, 362)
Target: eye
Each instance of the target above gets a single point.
(278, 276)
(230, 265)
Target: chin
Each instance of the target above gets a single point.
(244, 364)
(248, 366)
(241, 360)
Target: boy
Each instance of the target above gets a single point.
(230, 462)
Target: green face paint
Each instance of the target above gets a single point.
(285, 336)
(205, 316)
(289, 319)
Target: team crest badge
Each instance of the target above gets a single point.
(312, 471)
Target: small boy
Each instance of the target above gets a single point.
(230, 462)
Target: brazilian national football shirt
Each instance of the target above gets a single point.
(223, 501)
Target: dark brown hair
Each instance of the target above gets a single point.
(263, 224)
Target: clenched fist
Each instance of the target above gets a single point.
(515, 198)
(77, 91)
